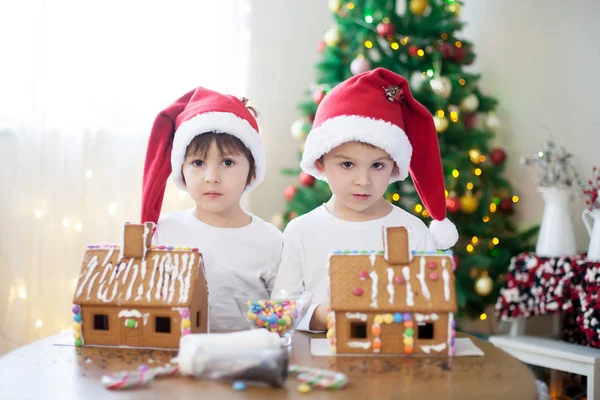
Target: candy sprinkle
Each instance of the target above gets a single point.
(304, 388)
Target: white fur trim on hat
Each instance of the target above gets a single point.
(444, 233)
(349, 128)
(219, 122)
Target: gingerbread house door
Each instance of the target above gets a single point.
(132, 331)
(391, 339)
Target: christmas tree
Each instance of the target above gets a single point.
(418, 40)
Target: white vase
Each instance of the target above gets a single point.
(557, 237)
(594, 232)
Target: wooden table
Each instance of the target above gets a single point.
(53, 368)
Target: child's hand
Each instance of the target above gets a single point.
(318, 321)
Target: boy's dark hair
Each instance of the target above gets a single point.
(225, 143)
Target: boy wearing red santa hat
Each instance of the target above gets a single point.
(210, 142)
(368, 132)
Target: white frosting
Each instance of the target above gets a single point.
(373, 258)
(426, 317)
(161, 273)
(108, 255)
(91, 266)
(446, 277)
(130, 314)
(409, 293)
(421, 278)
(385, 244)
(174, 273)
(144, 240)
(188, 278)
(144, 267)
(374, 282)
(364, 345)
(361, 316)
(156, 259)
(450, 319)
(164, 281)
(390, 285)
(146, 316)
(133, 278)
(140, 292)
(126, 274)
(434, 347)
(184, 260)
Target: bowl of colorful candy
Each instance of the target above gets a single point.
(278, 311)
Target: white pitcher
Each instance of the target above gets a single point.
(557, 237)
(594, 232)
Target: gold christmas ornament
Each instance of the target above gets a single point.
(418, 7)
(484, 285)
(492, 121)
(332, 37)
(441, 86)
(469, 203)
(441, 123)
(469, 103)
(335, 5)
(299, 129)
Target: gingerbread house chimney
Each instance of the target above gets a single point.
(395, 244)
(137, 239)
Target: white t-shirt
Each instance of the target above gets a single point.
(234, 259)
(311, 238)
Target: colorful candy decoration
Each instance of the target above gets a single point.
(186, 324)
(408, 333)
(318, 378)
(331, 331)
(77, 335)
(275, 315)
(238, 386)
(357, 291)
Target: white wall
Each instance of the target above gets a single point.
(539, 58)
(283, 53)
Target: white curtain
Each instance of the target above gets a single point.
(80, 85)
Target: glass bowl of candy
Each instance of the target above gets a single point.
(277, 311)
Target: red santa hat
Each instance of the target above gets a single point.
(377, 107)
(198, 111)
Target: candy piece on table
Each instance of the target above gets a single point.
(239, 386)
(304, 388)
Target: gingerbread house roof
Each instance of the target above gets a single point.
(382, 281)
(137, 275)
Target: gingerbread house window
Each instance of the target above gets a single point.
(100, 322)
(358, 330)
(425, 330)
(163, 325)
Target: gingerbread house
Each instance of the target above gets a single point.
(393, 301)
(139, 295)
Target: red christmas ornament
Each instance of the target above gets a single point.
(459, 54)
(412, 50)
(506, 205)
(289, 192)
(447, 51)
(318, 96)
(385, 28)
(470, 120)
(452, 204)
(498, 156)
(321, 46)
(306, 179)
(311, 118)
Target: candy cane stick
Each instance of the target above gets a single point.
(319, 378)
(132, 379)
